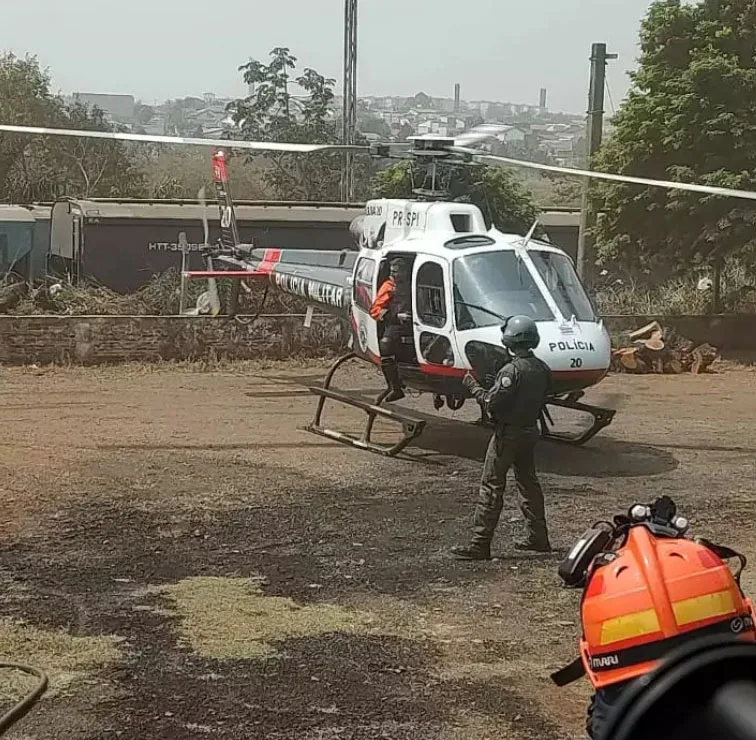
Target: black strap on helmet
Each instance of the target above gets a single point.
(656, 650)
(651, 651)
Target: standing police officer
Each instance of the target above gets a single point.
(393, 307)
(514, 402)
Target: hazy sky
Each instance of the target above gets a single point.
(497, 49)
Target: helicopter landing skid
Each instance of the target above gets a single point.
(411, 428)
(601, 418)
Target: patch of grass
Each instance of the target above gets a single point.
(232, 619)
(67, 660)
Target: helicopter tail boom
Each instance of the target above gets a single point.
(318, 277)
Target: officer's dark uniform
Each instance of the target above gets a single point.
(393, 307)
(515, 402)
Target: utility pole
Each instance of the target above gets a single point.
(594, 131)
(349, 123)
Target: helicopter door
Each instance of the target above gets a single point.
(431, 306)
(364, 288)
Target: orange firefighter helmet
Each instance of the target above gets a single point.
(653, 594)
(647, 588)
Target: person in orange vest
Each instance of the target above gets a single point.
(391, 308)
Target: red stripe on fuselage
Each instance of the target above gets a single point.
(221, 274)
(270, 259)
(442, 371)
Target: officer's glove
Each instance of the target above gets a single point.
(404, 317)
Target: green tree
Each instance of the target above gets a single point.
(180, 172)
(496, 191)
(373, 125)
(26, 100)
(689, 116)
(567, 191)
(89, 168)
(143, 113)
(44, 168)
(272, 113)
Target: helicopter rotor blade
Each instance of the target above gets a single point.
(478, 134)
(218, 143)
(573, 172)
(461, 146)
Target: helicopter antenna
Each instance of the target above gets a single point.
(529, 236)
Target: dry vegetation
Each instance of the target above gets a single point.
(233, 618)
(161, 296)
(68, 660)
(620, 294)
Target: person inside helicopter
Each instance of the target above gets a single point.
(392, 309)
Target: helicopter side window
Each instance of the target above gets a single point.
(436, 348)
(431, 296)
(363, 284)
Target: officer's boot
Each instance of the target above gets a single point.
(533, 546)
(473, 551)
(391, 373)
(537, 540)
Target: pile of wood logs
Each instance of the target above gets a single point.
(657, 349)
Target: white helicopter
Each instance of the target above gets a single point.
(466, 280)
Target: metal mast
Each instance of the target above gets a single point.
(350, 97)
(594, 133)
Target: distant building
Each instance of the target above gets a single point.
(119, 108)
(511, 135)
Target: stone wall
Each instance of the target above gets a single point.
(92, 340)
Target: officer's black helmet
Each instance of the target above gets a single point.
(520, 332)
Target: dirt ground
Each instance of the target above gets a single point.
(187, 562)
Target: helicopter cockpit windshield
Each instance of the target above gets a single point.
(557, 272)
(490, 286)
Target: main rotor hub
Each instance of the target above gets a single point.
(431, 145)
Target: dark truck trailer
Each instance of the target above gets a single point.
(122, 244)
